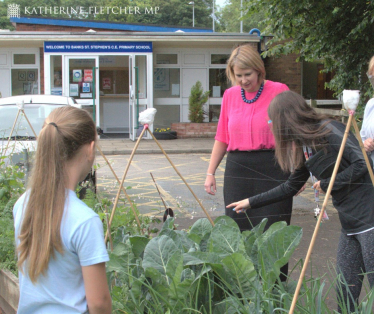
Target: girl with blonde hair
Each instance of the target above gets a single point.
(60, 244)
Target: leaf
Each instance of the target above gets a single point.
(242, 272)
(198, 258)
(225, 239)
(227, 221)
(158, 252)
(138, 244)
(199, 229)
(276, 246)
(168, 224)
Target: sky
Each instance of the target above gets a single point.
(220, 2)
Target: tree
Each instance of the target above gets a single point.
(339, 32)
(229, 18)
(196, 102)
(170, 12)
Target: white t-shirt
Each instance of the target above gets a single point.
(61, 290)
(367, 129)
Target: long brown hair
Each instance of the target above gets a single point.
(295, 124)
(245, 57)
(64, 132)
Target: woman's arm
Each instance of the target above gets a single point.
(219, 150)
(97, 290)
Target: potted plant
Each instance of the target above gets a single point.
(196, 102)
(164, 134)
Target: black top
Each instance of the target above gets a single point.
(352, 193)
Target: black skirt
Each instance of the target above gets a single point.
(249, 173)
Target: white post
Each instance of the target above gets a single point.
(213, 16)
(241, 16)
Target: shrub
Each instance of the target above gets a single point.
(196, 102)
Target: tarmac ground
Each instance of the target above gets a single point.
(323, 257)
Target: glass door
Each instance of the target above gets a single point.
(139, 93)
(81, 83)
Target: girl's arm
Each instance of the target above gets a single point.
(219, 150)
(287, 189)
(97, 290)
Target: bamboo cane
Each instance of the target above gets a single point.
(123, 189)
(363, 150)
(123, 178)
(185, 182)
(328, 192)
(11, 132)
(24, 113)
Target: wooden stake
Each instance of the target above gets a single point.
(11, 132)
(123, 179)
(185, 182)
(363, 150)
(33, 131)
(123, 189)
(328, 192)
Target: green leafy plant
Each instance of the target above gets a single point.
(196, 102)
(206, 270)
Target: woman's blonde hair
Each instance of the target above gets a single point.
(245, 57)
(295, 124)
(64, 132)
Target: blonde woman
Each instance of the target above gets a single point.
(244, 134)
(60, 244)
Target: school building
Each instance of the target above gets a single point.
(116, 70)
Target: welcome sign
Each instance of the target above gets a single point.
(93, 46)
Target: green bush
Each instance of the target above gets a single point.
(196, 102)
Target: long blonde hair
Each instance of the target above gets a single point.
(245, 57)
(64, 132)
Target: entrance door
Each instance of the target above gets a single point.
(82, 83)
(139, 93)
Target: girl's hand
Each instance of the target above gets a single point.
(317, 186)
(240, 206)
(301, 190)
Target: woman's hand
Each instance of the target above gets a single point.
(317, 186)
(210, 185)
(369, 145)
(240, 206)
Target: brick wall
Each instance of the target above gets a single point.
(191, 130)
(286, 70)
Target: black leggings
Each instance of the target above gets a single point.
(355, 258)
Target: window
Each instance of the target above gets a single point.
(81, 78)
(25, 81)
(163, 58)
(166, 83)
(218, 82)
(24, 58)
(56, 75)
(219, 58)
(166, 115)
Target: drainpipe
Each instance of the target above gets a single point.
(256, 30)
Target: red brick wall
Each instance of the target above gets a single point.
(191, 130)
(286, 70)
